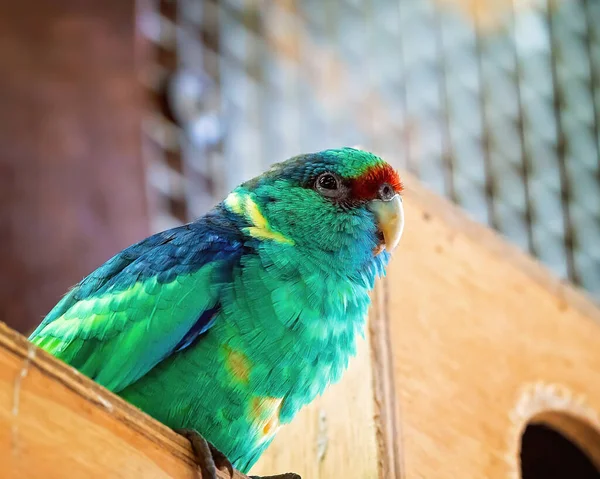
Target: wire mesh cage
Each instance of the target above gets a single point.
(495, 105)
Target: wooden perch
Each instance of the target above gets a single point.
(57, 423)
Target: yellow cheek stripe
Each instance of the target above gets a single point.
(234, 203)
(254, 214)
(268, 234)
(260, 229)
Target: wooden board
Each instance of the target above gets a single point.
(484, 340)
(56, 423)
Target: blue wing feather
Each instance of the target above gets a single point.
(126, 291)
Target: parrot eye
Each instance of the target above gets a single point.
(386, 192)
(329, 185)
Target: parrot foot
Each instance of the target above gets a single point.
(208, 458)
(287, 475)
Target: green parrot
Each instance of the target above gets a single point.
(224, 328)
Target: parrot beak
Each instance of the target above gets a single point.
(390, 219)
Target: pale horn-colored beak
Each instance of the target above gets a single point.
(390, 219)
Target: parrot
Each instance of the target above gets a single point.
(225, 327)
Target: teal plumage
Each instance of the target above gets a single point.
(231, 324)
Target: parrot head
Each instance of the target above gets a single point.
(342, 203)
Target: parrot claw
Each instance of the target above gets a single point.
(287, 475)
(208, 458)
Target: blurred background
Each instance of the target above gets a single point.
(121, 118)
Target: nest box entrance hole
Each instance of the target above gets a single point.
(559, 446)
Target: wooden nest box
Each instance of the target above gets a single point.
(470, 341)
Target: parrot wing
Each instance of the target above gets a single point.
(147, 302)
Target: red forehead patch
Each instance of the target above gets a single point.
(366, 186)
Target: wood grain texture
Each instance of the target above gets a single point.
(484, 340)
(56, 423)
(386, 406)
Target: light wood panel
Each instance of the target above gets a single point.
(56, 423)
(484, 340)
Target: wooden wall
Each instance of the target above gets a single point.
(485, 341)
(72, 191)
